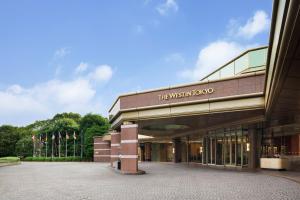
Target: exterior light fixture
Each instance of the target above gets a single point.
(248, 146)
(173, 150)
(201, 149)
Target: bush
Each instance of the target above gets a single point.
(27, 159)
(9, 159)
(55, 159)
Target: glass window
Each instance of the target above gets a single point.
(208, 144)
(213, 149)
(196, 150)
(227, 148)
(214, 76)
(233, 147)
(239, 148)
(204, 151)
(245, 149)
(219, 150)
(241, 64)
(227, 71)
(258, 58)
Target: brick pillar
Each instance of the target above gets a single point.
(115, 147)
(129, 151)
(101, 150)
(177, 150)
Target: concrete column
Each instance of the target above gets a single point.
(129, 148)
(253, 153)
(176, 150)
(115, 148)
(101, 150)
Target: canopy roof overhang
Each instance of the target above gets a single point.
(282, 100)
(234, 100)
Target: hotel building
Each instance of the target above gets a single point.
(244, 115)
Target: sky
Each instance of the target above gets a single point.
(79, 56)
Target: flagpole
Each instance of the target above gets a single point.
(40, 145)
(52, 145)
(59, 144)
(46, 144)
(74, 136)
(33, 140)
(81, 144)
(66, 144)
(34, 148)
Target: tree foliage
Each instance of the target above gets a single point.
(8, 138)
(92, 125)
(17, 141)
(24, 147)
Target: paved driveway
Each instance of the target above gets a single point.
(85, 181)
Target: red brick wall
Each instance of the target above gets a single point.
(101, 150)
(238, 86)
(129, 150)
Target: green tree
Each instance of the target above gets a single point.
(24, 146)
(8, 138)
(92, 125)
(75, 116)
(61, 125)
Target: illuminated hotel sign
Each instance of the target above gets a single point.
(177, 95)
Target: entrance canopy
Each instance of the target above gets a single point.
(283, 72)
(194, 106)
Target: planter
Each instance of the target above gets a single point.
(274, 163)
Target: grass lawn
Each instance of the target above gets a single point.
(9, 160)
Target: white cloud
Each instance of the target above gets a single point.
(82, 67)
(78, 91)
(14, 89)
(258, 23)
(45, 99)
(167, 6)
(22, 105)
(101, 73)
(213, 56)
(175, 58)
(61, 53)
(217, 53)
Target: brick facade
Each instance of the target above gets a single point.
(101, 150)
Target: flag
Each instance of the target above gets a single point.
(33, 137)
(74, 136)
(67, 136)
(53, 136)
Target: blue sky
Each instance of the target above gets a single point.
(62, 56)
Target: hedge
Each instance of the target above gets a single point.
(54, 159)
(9, 160)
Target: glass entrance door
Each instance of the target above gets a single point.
(219, 149)
(227, 141)
(233, 148)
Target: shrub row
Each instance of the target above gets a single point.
(9, 159)
(54, 159)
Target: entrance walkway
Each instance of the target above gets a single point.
(291, 175)
(91, 181)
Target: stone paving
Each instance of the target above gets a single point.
(91, 181)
